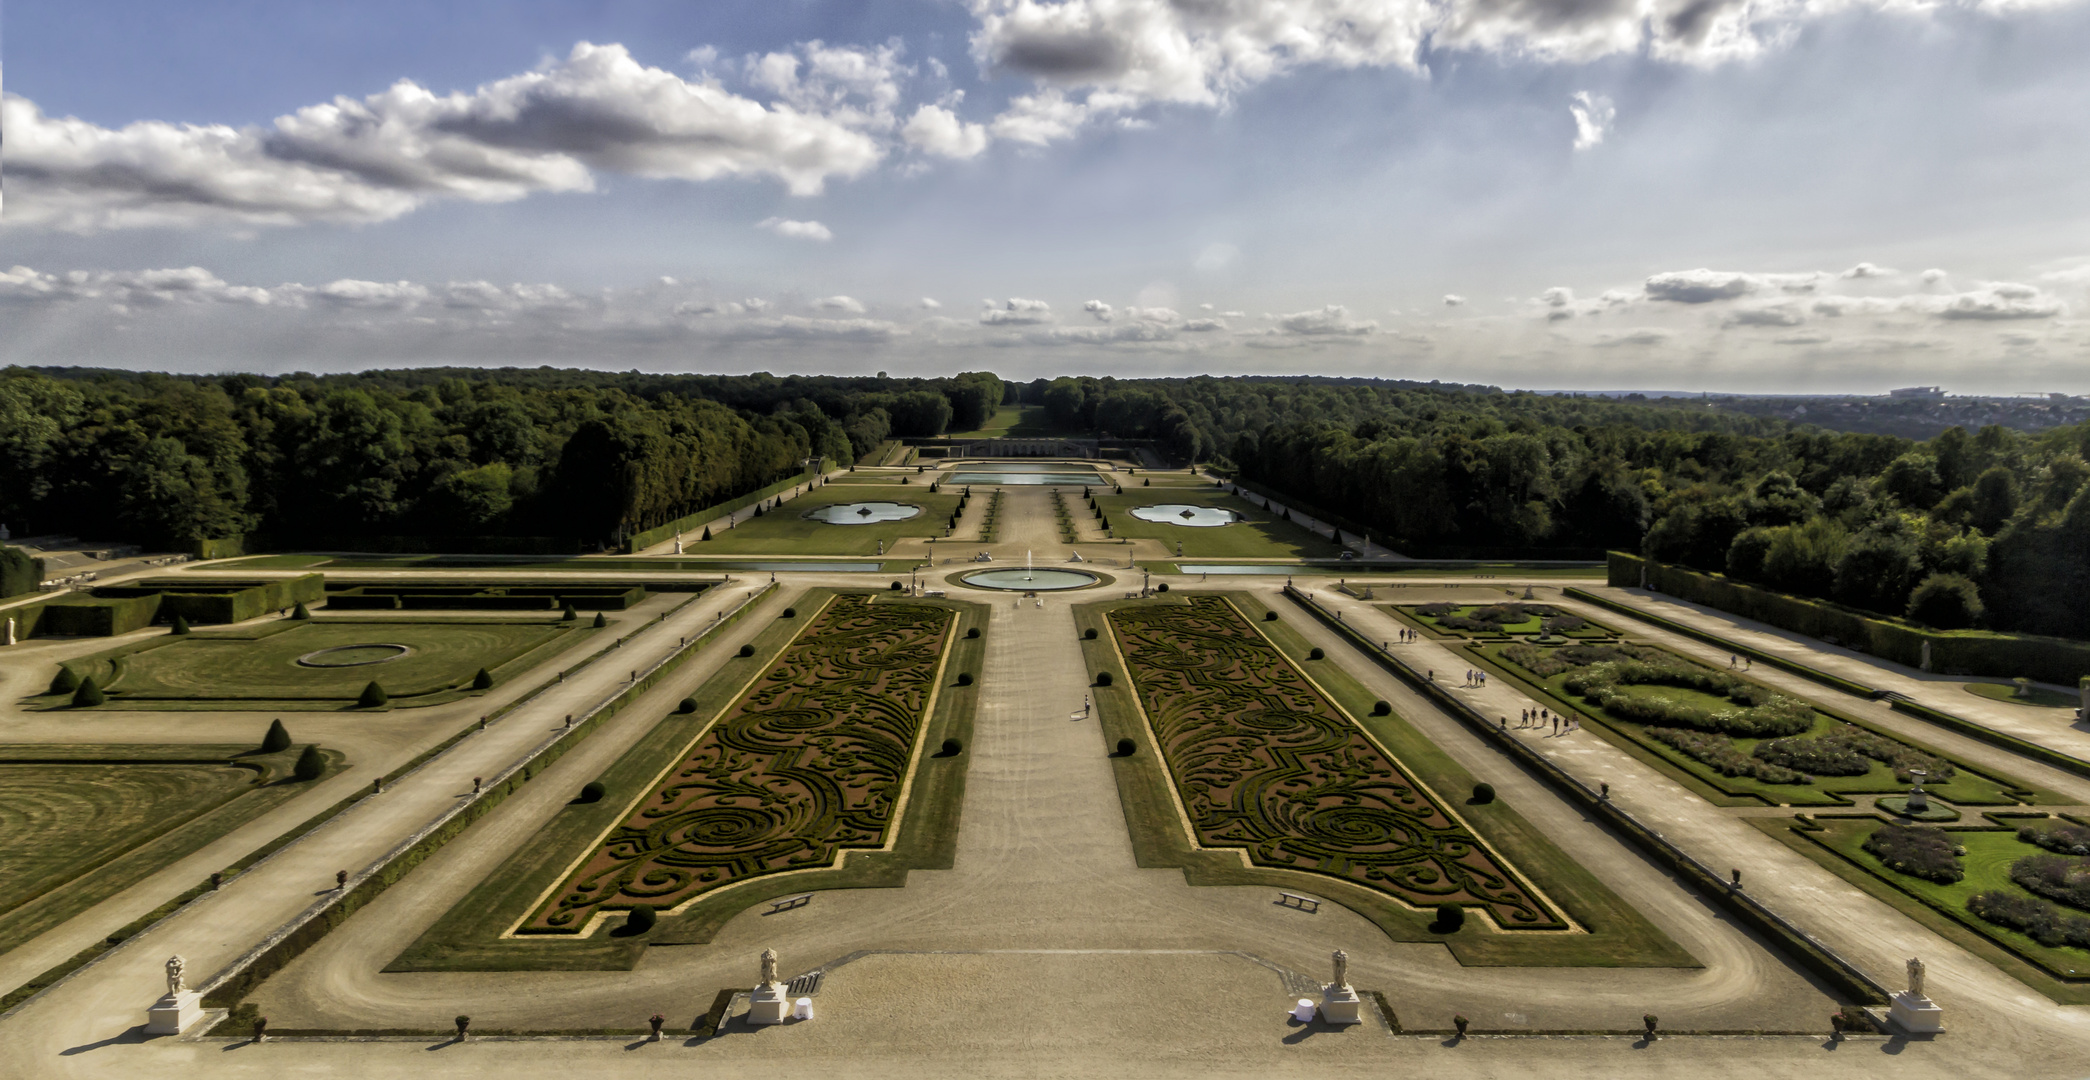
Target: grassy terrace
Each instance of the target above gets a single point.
(257, 666)
(1837, 842)
(788, 531)
(1016, 422)
(1606, 931)
(81, 823)
(1969, 786)
(468, 937)
(1257, 535)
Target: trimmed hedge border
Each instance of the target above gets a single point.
(228, 987)
(1957, 724)
(1819, 958)
(647, 538)
(2048, 659)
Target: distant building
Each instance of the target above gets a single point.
(1919, 393)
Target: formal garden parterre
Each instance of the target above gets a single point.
(1730, 738)
(287, 664)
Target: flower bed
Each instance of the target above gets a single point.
(1918, 851)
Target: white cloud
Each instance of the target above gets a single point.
(929, 303)
(1933, 276)
(1152, 314)
(1333, 320)
(1016, 312)
(349, 292)
(1453, 300)
(1102, 311)
(378, 157)
(849, 304)
(936, 130)
(1867, 270)
(1594, 115)
(1640, 337)
(797, 230)
(1201, 326)
(1703, 286)
(1038, 119)
(1773, 315)
(1997, 301)
(856, 87)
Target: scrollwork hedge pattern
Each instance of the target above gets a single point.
(1265, 763)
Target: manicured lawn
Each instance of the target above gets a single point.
(1987, 864)
(79, 824)
(1257, 535)
(2042, 698)
(787, 531)
(1609, 932)
(1532, 624)
(468, 937)
(1967, 787)
(258, 666)
(1016, 422)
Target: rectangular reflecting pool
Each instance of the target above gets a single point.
(1011, 479)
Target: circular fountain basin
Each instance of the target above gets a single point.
(1018, 579)
(354, 655)
(863, 513)
(1196, 517)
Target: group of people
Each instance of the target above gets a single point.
(1407, 636)
(1476, 679)
(1531, 718)
(1744, 661)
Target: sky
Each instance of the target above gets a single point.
(1765, 196)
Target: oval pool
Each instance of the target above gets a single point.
(1029, 580)
(1197, 517)
(863, 513)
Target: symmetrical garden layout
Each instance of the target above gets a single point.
(1264, 762)
(813, 759)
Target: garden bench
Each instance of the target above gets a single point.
(788, 903)
(1293, 900)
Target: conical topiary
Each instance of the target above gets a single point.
(181, 625)
(483, 680)
(300, 611)
(277, 740)
(311, 764)
(66, 681)
(707, 533)
(600, 621)
(567, 614)
(88, 693)
(374, 697)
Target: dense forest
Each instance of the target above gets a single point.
(1989, 529)
(318, 461)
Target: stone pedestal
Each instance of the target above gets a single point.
(1916, 1014)
(173, 1013)
(769, 1004)
(1340, 1005)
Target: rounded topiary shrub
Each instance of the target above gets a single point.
(747, 650)
(88, 693)
(592, 791)
(965, 678)
(897, 586)
(972, 631)
(1089, 634)
(374, 696)
(66, 681)
(790, 613)
(277, 740)
(601, 620)
(951, 748)
(1450, 917)
(1103, 678)
(688, 705)
(1126, 748)
(1269, 616)
(181, 625)
(483, 680)
(311, 764)
(640, 920)
(1163, 587)
(1483, 793)
(1316, 654)
(1382, 708)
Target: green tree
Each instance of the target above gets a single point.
(277, 740)
(1946, 601)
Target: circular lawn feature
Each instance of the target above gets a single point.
(1196, 517)
(1029, 580)
(863, 513)
(353, 655)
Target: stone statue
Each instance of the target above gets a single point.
(1915, 977)
(175, 964)
(768, 967)
(1342, 968)
(10, 631)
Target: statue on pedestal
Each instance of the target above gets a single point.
(1339, 1003)
(767, 1004)
(1915, 977)
(1342, 968)
(768, 967)
(175, 966)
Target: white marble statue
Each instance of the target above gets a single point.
(175, 966)
(768, 967)
(1915, 977)
(1342, 968)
